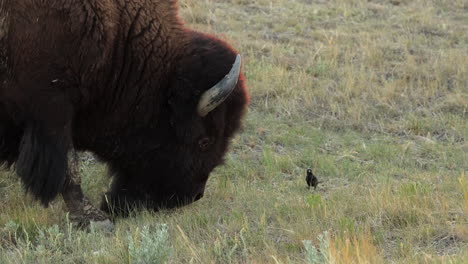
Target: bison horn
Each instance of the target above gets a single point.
(220, 91)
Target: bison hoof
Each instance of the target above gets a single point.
(87, 223)
(86, 216)
(102, 226)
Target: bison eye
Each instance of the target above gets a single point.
(204, 143)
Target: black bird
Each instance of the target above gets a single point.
(311, 179)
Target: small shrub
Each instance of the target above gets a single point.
(318, 254)
(314, 200)
(151, 247)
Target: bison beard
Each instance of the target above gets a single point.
(125, 80)
(42, 163)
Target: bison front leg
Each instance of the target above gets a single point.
(80, 209)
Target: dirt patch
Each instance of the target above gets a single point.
(448, 244)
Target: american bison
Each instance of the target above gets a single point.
(124, 79)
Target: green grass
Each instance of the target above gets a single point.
(372, 94)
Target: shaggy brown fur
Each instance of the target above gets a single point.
(120, 78)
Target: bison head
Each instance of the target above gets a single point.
(204, 104)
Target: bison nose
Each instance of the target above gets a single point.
(198, 196)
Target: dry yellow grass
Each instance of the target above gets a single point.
(373, 94)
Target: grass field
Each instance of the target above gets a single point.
(372, 94)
